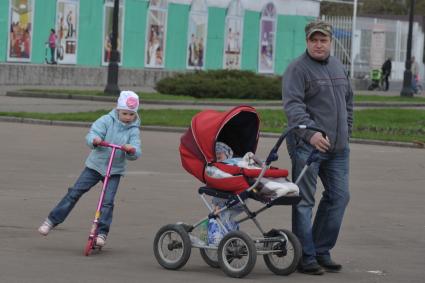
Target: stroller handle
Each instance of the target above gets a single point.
(273, 156)
(120, 147)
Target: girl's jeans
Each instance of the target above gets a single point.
(319, 237)
(85, 182)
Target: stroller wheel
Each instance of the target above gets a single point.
(210, 257)
(237, 254)
(172, 246)
(286, 252)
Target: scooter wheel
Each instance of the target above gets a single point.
(89, 246)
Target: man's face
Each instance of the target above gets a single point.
(319, 46)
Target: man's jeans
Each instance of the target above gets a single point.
(85, 182)
(319, 238)
(414, 84)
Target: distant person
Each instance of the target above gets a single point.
(415, 74)
(386, 72)
(52, 45)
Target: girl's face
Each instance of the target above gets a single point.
(126, 116)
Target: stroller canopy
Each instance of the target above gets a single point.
(238, 128)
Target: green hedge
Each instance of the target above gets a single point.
(222, 84)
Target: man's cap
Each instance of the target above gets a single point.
(318, 26)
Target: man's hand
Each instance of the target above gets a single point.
(97, 141)
(319, 142)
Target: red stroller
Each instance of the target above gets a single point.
(236, 253)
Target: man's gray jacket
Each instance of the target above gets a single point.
(318, 93)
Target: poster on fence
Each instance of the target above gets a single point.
(233, 32)
(267, 39)
(21, 15)
(66, 31)
(233, 43)
(107, 31)
(197, 40)
(155, 41)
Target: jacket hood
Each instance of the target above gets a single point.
(135, 123)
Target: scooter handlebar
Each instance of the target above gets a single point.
(120, 147)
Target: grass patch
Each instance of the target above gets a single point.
(378, 98)
(360, 97)
(143, 95)
(404, 125)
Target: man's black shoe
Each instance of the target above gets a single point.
(311, 269)
(329, 265)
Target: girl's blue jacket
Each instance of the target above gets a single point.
(110, 129)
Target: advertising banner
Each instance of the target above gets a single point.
(107, 31)
(197, 40)
(155, 43)
(66, 31)
(21, 14)
(233, 43)
(267, 39)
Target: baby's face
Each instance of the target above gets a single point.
(126, 116)
(221, 156)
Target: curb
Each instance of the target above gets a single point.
(200, 103)
(182, 130)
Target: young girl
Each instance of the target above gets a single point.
(121, 127)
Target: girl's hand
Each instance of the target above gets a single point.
(97, 141)
(129, 148)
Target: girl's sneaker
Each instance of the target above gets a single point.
(101, 240)
(45, 227)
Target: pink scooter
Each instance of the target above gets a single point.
(91, 242)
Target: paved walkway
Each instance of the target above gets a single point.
(382, 238)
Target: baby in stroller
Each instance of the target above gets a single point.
(268, 189)
(236, 132)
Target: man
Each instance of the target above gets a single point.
(386, 72)
(317, 92)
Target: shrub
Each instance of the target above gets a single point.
(222, 84)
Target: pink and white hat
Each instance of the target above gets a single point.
(128, 100)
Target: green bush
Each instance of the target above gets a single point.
(222, 84)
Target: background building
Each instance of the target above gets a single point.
(159, 37)
(375, 40)
(173, 35)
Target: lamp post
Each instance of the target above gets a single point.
(353, 33)
(112, 84)
(407, 90)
